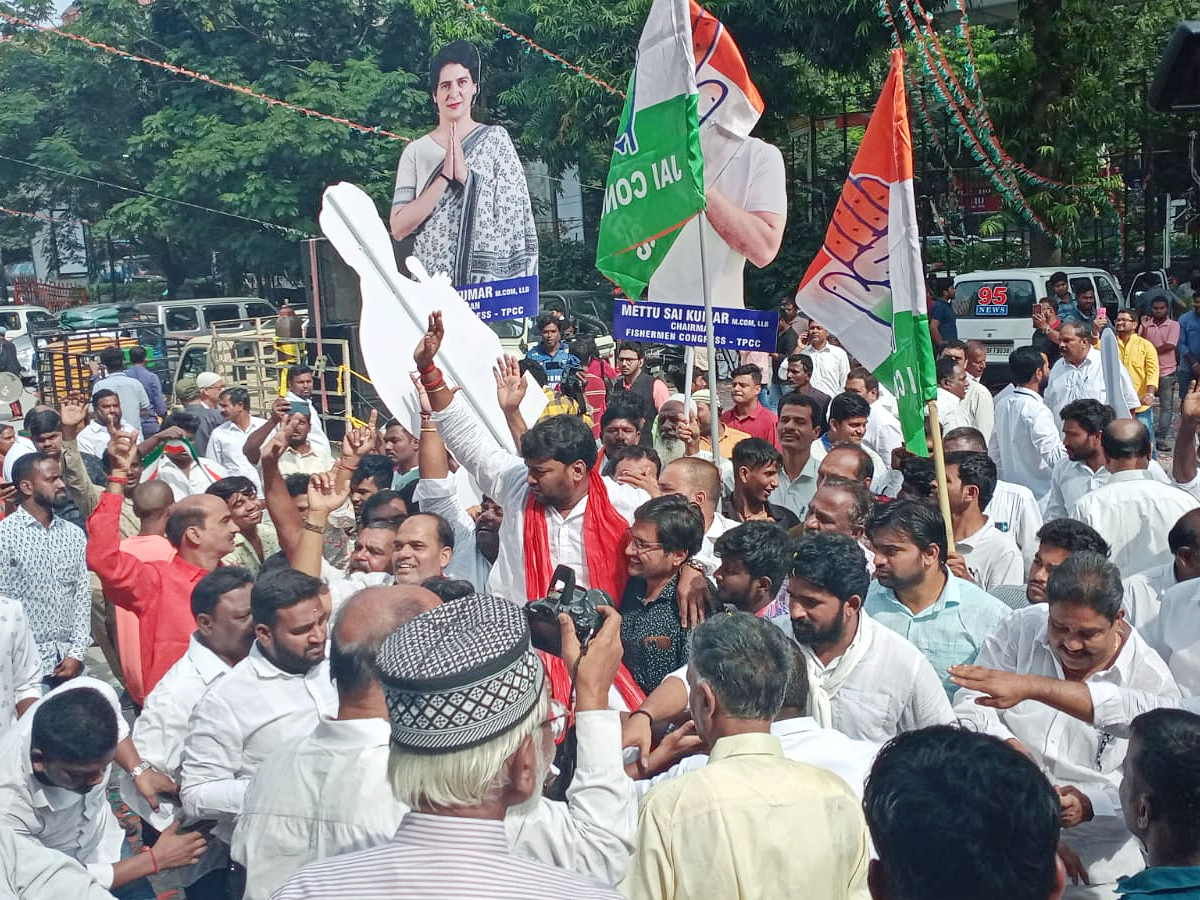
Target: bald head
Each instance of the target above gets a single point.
(363, 622)
(196, 512)
(847, 461)
(152, 498)
(696, 479)
(1126, 445)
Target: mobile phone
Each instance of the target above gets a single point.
(300, 406)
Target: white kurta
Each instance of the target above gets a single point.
(1027, 442)
(1134, 512)
(503, 476)
(1069, 751)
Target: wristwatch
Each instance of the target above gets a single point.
(140, 769)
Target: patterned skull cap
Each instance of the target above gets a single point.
(459, 675)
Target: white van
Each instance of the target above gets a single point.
(996, 306)
(17, 320)
(183, 319)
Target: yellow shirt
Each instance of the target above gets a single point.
(1141, 361)
(730, 438)
(750, 825)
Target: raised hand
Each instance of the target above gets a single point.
(430, 342)
(122, 450)
(73, 412)
(280, 409)
(510, 383)
(324, 495)
(361, 441)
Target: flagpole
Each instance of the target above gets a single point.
(689, 366)
(711, 340)
(939, 468)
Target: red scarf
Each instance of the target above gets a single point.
(605, 532)
(560, 683)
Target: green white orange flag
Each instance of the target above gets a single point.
(865, 284)
(655, 180)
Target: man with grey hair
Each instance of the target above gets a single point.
(702, 834)
(1079, 374)
(472, 731)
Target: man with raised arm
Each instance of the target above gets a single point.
(558, 510)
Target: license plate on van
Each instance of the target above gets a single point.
(999, 349)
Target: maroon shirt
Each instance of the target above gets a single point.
(760, 424)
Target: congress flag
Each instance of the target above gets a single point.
(866, 283)
(655, 181)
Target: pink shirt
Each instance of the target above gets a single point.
(1166, 333)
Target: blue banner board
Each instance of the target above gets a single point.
(509, 298)
(682, 323)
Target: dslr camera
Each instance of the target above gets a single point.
(564, 597)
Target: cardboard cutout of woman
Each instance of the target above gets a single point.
(460, 190)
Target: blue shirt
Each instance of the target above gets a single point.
(1189, 341)
(943, 314)
(154, 390)
(554, 364)
(1173, 882)
(950, 632)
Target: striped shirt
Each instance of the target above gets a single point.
(440, 858)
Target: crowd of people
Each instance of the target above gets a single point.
(356, 670)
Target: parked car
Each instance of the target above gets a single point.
(17, 321)
(184, 319)
(995, 307)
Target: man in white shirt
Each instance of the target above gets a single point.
(1063, 680)
(848, 417)
(28, 871)
(227, 440)
(55, 766)
(801, 422)
(864, 679)
(883, 434)
(1144, 591)
(1079, 373)
(93, 438)
(1027, 443)
(224, 633)
(183, 472)
(977, 409)
(951, 389)
(991, 556)
(1013, 509)
(700, 482)
(556, 471)
(831, 365)
(300, 390)
(328, 793)
(802, 738)
(133, 397)
(1133, 511)
(273, 697)
(20, 664)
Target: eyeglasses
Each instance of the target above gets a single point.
(557, 720)
(640, 546)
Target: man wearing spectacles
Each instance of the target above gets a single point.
(666, 532)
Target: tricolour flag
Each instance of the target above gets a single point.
(655, 181)
(727, 95)
(865, 284)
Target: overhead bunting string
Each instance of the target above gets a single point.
(200, 76)
(40, 217)
(1001, 178)
(532, 46)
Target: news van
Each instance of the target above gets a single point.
(995, 307)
